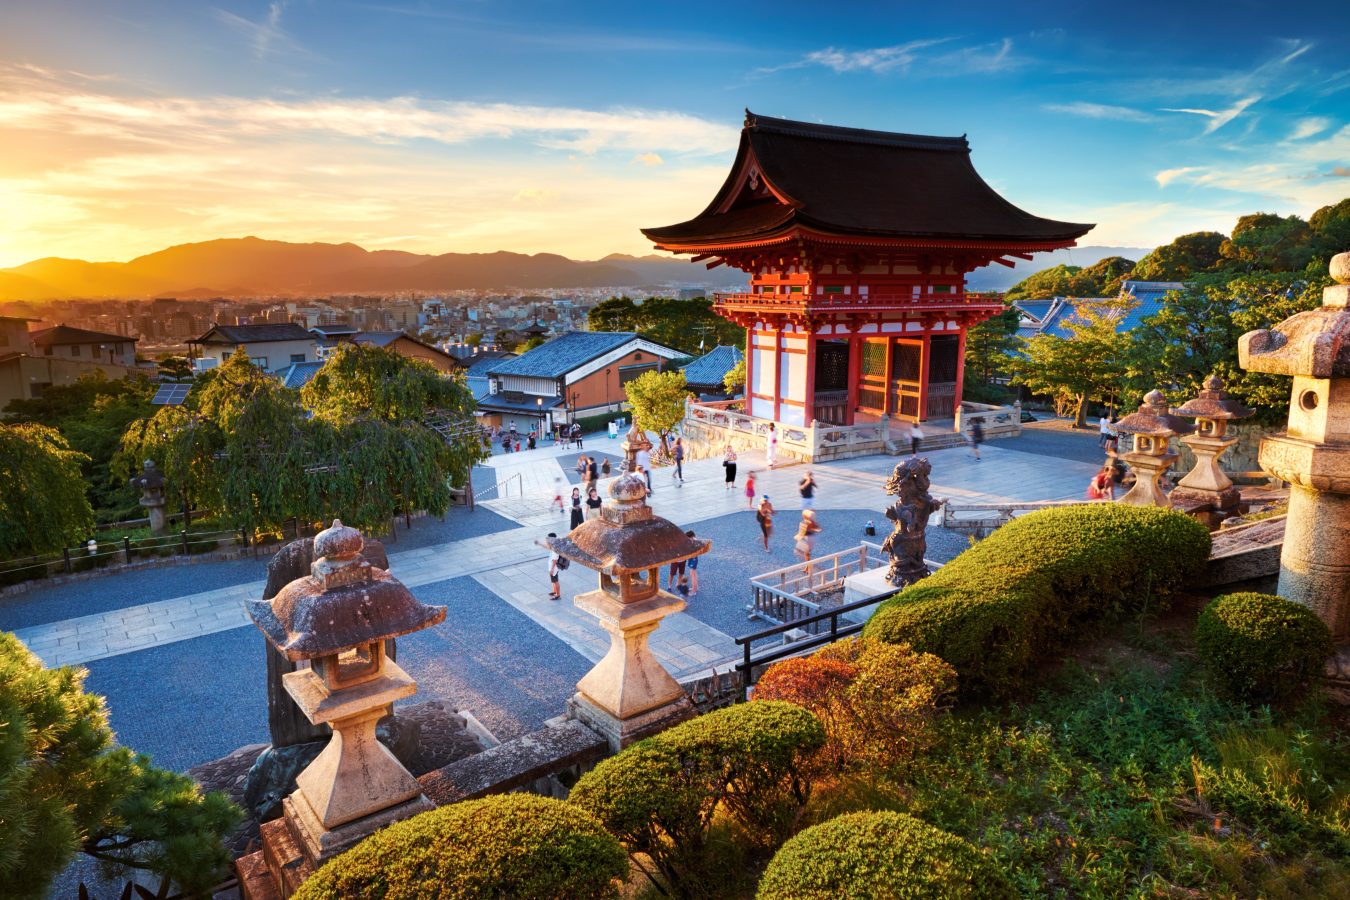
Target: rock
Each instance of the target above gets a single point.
(273, 776)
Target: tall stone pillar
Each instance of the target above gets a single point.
(1313, 455)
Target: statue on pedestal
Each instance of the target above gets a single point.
(908, 542)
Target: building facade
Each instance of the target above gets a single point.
(64, 342)
(270, 347)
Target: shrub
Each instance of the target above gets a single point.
(1261, 648)
(660, 795)
(880, 855)
(1036, 582)
(875, 700)
(512, 845)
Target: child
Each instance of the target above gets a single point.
(750, 490)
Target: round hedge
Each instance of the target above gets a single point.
(512, 845)
(1261, 648)
(880, 856)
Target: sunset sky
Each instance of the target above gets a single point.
(129, 125)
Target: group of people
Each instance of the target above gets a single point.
(567, 435)
(1112, 475)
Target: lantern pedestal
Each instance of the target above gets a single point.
(1148, 473)
(629, 694)
(1207, 482)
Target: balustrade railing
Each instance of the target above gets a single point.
(847, 302)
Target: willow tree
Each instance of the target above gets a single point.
(43, 505)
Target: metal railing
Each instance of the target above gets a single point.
(992, 515)
(780, 596)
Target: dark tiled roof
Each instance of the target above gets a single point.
(484, 363)
(64, 334)
(710, 368)
(498, 403)
(378, 338)
(297, 375)
(852, 181)
(564, 353)
(254, 334)
(329, 330)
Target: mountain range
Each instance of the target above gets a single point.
(250, 266)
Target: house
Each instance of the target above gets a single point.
(1048, 316)
(270, 347)
(297, 375)
(65, 342)
(412, 348)
(577, 374)
(476, 373)
(26, 369)
(704, 375)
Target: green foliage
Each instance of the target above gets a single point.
(1187, 256)
(179, 368)
(659, 796)
(1101, 279)
(43, 506)
(1088, 364)
(1261, 648)
(734, 380)
(657, 399)
(989, 349)
(512, 845)
(65, 787)
(880, 854)
(1037, 582)
(1268, 243)
(684, 325)
(527, 346)
(361, 381)
(473, 340)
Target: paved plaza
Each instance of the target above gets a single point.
(182, 665)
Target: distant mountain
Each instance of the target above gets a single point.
(245, 266)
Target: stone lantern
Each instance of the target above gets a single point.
(338, 619)
(628, 694)
(151, 485)
(1153, 427)
(1207, 483)
(1313, 455)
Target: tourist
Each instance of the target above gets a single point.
(593, 503)
(807, 488)
(1103, 485)
(976, 437)
(729, 464)
(577, 515)
(915, 435)
(678, 453)
(764, 516)
(604, 467)
(557, 495)
(771, 445)
(806, 537)
(750, 490)
(530, 441)
(554, 588)
(676, 577)
(644, 464)
(576, 434)
(592, 473)
(693, 570)
(1105, 431)
(581, 467)
(1113, 440)
(506, 442)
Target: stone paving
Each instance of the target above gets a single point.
(502, 571)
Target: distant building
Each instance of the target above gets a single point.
(88, 346)
(578, 374)
(1048, 316)
(270, 347)
(410, 347)
(704, 375)
(691, 293)
(27, 370)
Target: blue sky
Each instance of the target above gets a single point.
(128, 125)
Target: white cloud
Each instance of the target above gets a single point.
(1100, 111)
(649, 159)
(1306, 128)
(535, 195)
(266, 35)
(911, 58)
(1167, 176)
(1217, 118)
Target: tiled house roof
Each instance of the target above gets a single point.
(253, 334)
(709, 369)
(566, 352)
(297, 375)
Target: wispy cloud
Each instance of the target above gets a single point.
(1217, 118)
(1167, 176)
(649, 159)
(265, 35)
(912, 57)
(1306, 128)
(1100, 111)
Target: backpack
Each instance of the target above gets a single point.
(563, 563)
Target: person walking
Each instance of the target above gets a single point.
(577, 515)
(915, 435)
(693, 569)
(750, 490)
(1104, 431)
(771, 445)
(554, 588)
(729, 465)
(678, 453)
(557, 496)
(806, 537)
(807, 488)
(530, 441)
(593, 503)
(644, 463)
(592, 473)
(764, 516)
(676, 576)
(576, 434)
(976, 437)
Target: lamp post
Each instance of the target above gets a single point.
(539, 407)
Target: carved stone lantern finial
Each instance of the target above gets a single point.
(338, 619)
(1207, 484)
(628, 694)
(1314, 454)
(1153, 427)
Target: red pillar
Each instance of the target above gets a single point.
(749, 371)
(854, 375)
(809, 411)
(923, 376)
(777, 372)
(960, 365)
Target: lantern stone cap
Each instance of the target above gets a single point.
(1213, 402)
(344, 603)
(1314, 343)
(1154, 419)
(627, 536)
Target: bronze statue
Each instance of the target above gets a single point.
(907, 543)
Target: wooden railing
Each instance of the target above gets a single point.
(830, 406)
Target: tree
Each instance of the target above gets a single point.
(65, 787)
(1101, 279)
(734, 380)
(658, 401)
(1089, 364)
(1331, 232)
(687, 325)
(179, 368)
(43, 506)
(989, 349)
(1192, 336)
(473, 340)
(1188, 255)
(614, 314)
(536, 341)
(1267, 242)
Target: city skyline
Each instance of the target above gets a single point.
(531, 127)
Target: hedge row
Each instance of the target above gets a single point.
(1023, 591)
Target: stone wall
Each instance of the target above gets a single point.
(1240, 458)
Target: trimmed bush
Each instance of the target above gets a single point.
(1024, 591)
(512, 845)
(875, 700)
(1260, 648)
(660, 796)
(880, 856)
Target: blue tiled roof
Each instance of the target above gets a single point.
(710, 368)
(563, 354)
(480, 387)
(297, 375)
(1150, 294)
(481, 367)
(499, 403)
(1035, 308)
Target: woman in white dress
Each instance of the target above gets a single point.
(771, 446)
